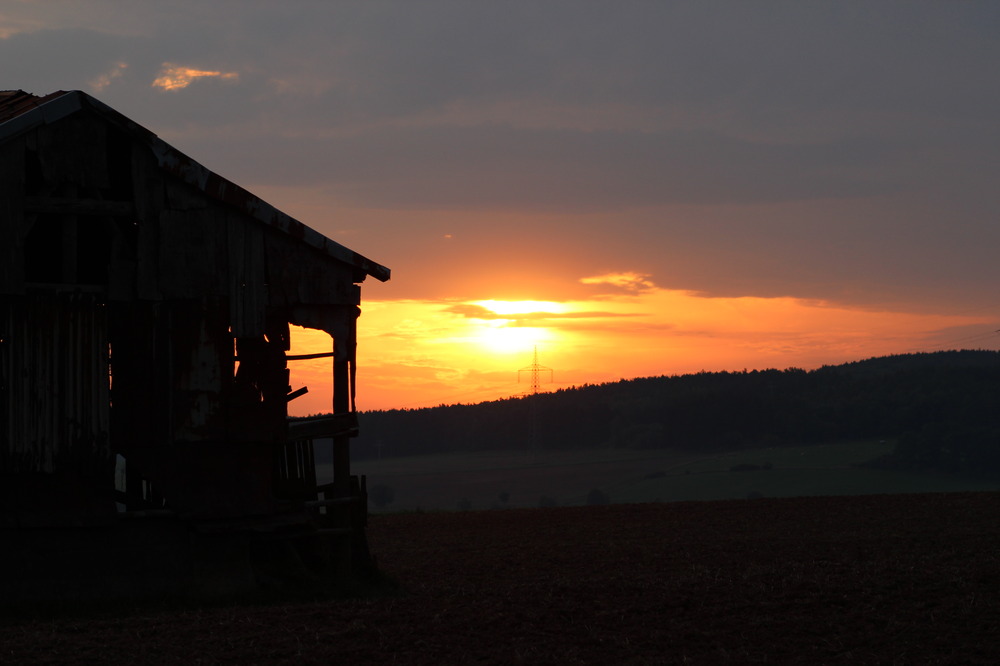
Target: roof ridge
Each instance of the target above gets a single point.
(14, 103)
(15, 107)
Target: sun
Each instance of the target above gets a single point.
(515, 327)
(502, 337)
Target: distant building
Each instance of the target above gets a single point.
(145, 304)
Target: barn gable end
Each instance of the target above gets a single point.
(145, 304)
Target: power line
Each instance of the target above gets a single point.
(535, 370)
(957, 342)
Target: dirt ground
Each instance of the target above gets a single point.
(907, 579)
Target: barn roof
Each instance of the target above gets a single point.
(21, 111)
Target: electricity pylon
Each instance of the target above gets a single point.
(535, 371)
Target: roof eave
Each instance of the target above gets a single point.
(195, 174)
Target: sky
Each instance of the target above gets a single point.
(629, 188)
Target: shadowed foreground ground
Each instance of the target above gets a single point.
(883, 579)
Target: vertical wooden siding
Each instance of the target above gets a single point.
(55, 362)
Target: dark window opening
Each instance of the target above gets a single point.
(93, 250)
(43, 260)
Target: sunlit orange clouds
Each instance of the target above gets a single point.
(416, 353)
(175, 77)
(104, 80)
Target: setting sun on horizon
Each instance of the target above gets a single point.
(415, 353)
(579, 258)
(726, 203)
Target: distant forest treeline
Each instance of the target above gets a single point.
(942, 409)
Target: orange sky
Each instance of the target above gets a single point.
(678, 185)
(418, 353)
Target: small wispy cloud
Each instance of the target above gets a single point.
(635, 283)
(474, 311)
(175, 77)
(105, 79)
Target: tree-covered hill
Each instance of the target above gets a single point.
(941, 408)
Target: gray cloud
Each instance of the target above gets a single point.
(820, 149)
(506, 167)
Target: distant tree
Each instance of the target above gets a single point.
(464, 504)
(939, 407)
(381, 495)
(504, 497)
(546, 502)
(596, 497)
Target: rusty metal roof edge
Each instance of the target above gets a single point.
(194, 173)
(46, 112)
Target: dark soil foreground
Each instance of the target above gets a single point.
(908, 579)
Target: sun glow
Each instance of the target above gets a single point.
(511, 327)
(523, 307)
(500, 337)
(414, 353)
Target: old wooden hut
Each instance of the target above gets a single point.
(145, 305)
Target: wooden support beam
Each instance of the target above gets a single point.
(323, 426)
(298, 393)
(337, 501)
(342, 462)
(341, 443)
(306, 357)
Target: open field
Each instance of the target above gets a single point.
(906, 579)
(476, 480)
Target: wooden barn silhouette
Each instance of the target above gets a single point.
(145, 305)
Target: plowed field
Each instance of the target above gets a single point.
(909, 579)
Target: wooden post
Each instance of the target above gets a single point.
(341, 444)
(342, 461)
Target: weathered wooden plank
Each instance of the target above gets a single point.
(342, 516)
(336, 501)
(67, 205)
(183, 196)
(193, 254)
(341, 443)
(57, 407)
(122, 265)
(337, 320)
(12, 217)
(308, 357)
(147, 188)
(10, 312)
(247, 276)
(74, 150)
(140, 389)
(323, 426)
(299, 274)
(201, 359)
